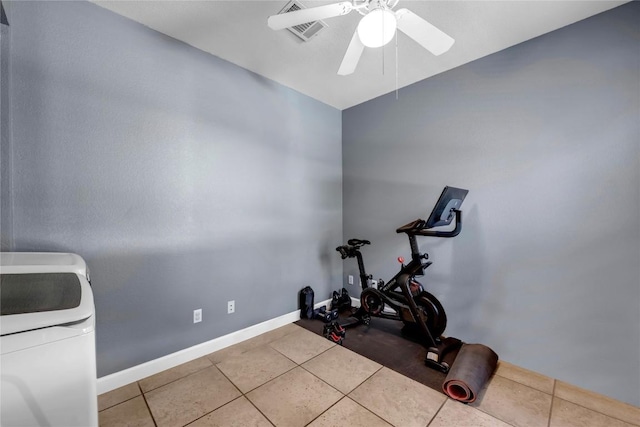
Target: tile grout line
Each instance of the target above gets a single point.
(212, 364)
(153, 419)
(233, 384)
(365, 380)
(347, 394)
(258, 409)
(596, 411)
(492, 415)
(277, 376)
(477, 408)
(268, 381)
(228, 379)
(553, 397)
(315, 376)
(325, 411)
(297, 365)
(232, 400)
(177, 379)
(437, 412)
(339, 391)
(119, 403)
(526, 385)
(242, 394)
(369, 410)
(324, 351)
(212, 411)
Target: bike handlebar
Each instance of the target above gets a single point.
(418, 228)
(344, 251)
(414, 228)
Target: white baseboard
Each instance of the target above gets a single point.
(152, 367)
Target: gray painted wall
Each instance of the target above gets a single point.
(6, 230)
(546, 136)
(183, 180)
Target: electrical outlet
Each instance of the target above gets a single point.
(197, 315)
(351, 279)
(231, 307)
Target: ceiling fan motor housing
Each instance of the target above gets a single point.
(377, 28)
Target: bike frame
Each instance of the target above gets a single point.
(404, 299)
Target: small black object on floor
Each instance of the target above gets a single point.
(383, 342)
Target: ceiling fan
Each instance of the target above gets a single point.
(376, 28)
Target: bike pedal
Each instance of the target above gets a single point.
(335, 338)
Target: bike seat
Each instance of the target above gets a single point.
(358, 242)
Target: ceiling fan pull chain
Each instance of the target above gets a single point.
(396, 65)
(383, 54)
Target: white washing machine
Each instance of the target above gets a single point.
(47, 341)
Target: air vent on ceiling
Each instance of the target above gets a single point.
(304, 31)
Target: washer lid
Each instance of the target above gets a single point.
(41, 298)
(42, 262)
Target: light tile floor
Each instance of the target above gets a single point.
(293, 377)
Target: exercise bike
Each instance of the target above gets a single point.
(420, 311)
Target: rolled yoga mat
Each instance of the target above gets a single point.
(472, 368)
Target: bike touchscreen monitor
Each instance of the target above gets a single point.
(450, 200)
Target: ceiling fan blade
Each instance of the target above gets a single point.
(425, 34)
(352, 56)
(302, 16)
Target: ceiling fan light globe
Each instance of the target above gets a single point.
(377, 28)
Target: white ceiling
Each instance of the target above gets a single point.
(237, 32)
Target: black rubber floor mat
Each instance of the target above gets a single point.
(383, 342)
